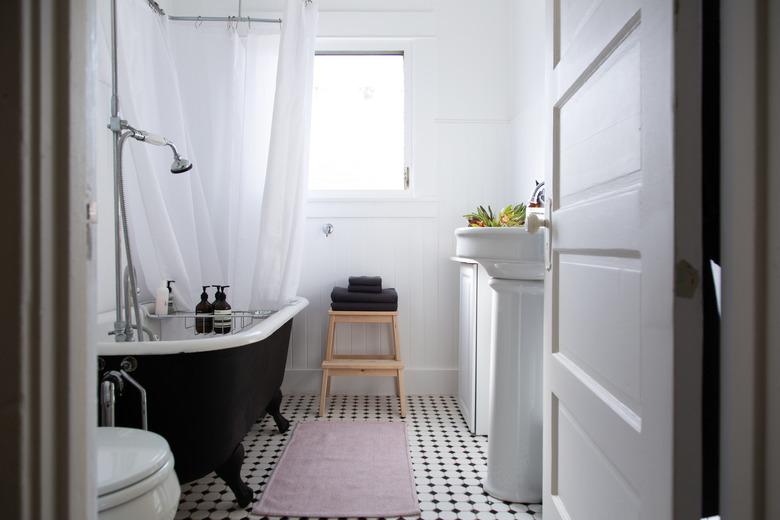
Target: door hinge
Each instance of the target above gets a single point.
(92, 213)
(406, 178)
(686, 279)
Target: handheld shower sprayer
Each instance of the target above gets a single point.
(179, 165)
(122, 131)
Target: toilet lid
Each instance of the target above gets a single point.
(126, 456)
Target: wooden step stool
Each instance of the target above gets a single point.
(362, 365)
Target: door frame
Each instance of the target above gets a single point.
(750, 238)
(688, 48)
(48, 371)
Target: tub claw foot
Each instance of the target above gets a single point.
(281, 423)
(244, 495)
(230, 472)
(274, 409)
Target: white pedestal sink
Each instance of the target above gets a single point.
(514, 259)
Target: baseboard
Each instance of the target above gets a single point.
(419, 381)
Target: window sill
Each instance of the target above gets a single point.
(358, 195)
(366, 207)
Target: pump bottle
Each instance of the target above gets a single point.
(223, 315)
(171, 309)
(204, 312)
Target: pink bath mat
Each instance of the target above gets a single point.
(343, 469)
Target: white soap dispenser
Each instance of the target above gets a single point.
(161, 300)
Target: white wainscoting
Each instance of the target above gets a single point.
(398, 242)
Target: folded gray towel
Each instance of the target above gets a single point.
(365, 288)
(364, 306)
(365, 280)
(341, 294)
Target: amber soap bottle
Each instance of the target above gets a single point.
(204, 314)
(223, 315)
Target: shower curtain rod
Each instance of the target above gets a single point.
(223, 19)
(238, 18)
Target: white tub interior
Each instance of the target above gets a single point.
(177, 334)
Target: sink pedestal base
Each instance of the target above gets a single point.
(514, 467)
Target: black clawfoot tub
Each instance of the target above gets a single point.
(205, 394)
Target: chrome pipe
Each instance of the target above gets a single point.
(107, 403)
(139, 322)
(142, 391)
(114, 67)
(149, 332)
(116, 129)
(128, 315)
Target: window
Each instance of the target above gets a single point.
(359, 128)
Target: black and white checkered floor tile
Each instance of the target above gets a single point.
(449, 462)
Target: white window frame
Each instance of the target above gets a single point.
(375, 46)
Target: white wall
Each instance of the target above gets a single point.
(464, 114)
(461, 132)
(528, 95)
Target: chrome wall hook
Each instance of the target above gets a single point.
(327, 229)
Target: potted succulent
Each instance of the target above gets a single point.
(510, 216)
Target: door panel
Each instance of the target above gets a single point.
(574, 13)
(598, 316)
(609, 221)
(609, 296)
(598, 125)
(610, 425)
(599, 30)
(609, 496)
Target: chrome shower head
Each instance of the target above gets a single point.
(179, 165)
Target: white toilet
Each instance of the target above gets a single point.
(135, 476)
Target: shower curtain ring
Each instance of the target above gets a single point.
(199, 22)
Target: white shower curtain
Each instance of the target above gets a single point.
(235, 218)
(280, 252)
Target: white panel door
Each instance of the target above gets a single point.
(609, 331)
